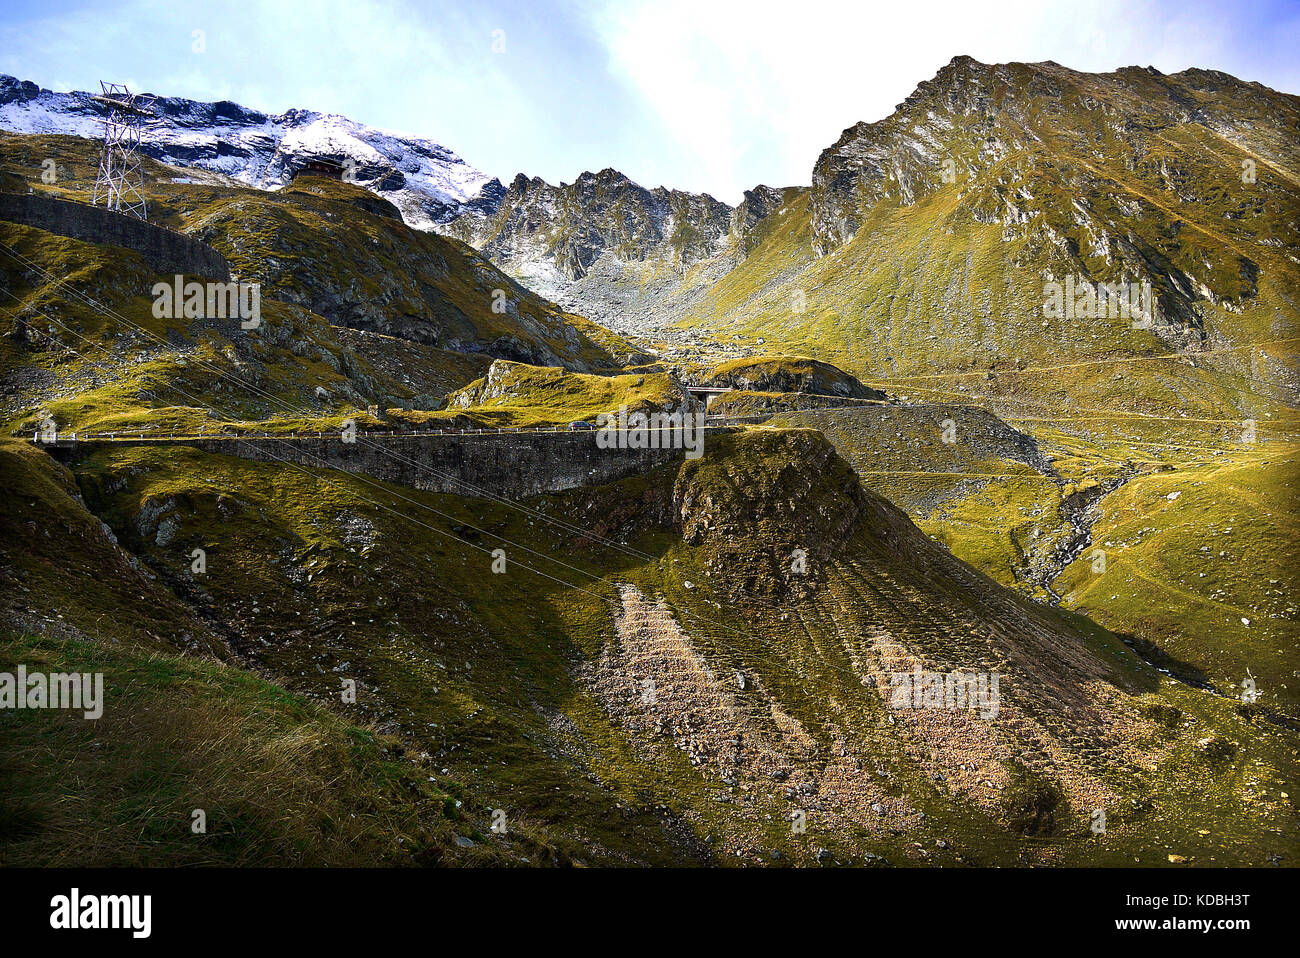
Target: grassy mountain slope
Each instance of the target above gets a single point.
(679, 667)
(83, 347)
(527, 694)
(343, 253)
(891, 271)
(1088, 519)
(279, 781)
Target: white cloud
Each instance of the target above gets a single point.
(753, 90)
(703, 95)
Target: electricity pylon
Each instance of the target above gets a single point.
(121, 178)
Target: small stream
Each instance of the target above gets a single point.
(1078, 509)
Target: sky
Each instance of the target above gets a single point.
(711, 96)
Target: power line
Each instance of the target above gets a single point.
(87, 300)
(617, 605)
(300, 410)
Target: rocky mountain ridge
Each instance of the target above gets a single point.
(1186, 184)
(426, 181)
(609, 244)
(979, 115)
(1097, 175)
(933, 241)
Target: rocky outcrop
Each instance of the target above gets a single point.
(758, 204)
(787, 375)
(610, 248)
(789, 490)
(574, 224)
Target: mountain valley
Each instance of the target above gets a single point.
(914, 474)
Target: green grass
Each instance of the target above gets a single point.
(1218, 552)
(513, 394)
(311, 579)
(313, 576)
(280, 781)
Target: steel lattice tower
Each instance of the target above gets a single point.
(121, 179)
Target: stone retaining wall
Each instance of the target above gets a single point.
(165, 250)
(512, 466)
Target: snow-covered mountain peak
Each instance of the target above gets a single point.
(426, 181)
